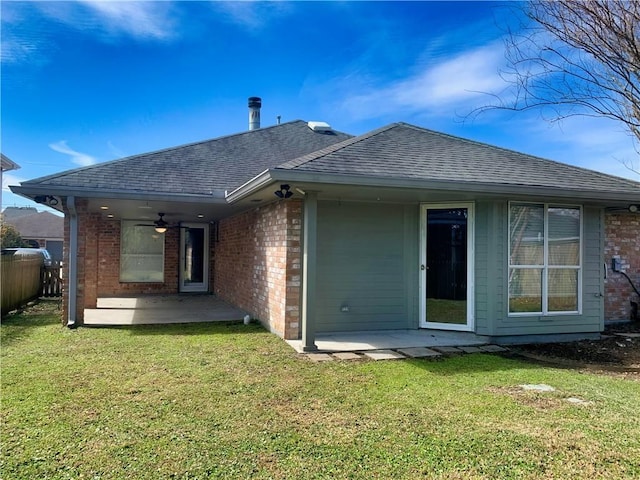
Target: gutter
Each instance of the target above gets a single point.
(27, 190)
(271, 176)
(73, 263)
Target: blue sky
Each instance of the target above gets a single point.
(86, 81)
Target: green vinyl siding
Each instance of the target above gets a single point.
(489, 276)
(366, 263)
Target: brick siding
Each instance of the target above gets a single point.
(622, 237)
(258, 264)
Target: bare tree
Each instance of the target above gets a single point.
(576, 57)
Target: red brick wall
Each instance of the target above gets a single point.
(622, 237)
(108, 279)
(257, 264)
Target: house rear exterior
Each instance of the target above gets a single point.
(312, 230)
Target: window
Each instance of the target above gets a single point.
(141, 253)
(544, 259)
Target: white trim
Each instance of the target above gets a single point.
(545, 267)
(424, 323)
(195, 287)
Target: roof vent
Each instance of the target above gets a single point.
(319, 126)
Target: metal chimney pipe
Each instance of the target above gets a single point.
(254, 112)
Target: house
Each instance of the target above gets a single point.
(39, 229)
(312, 230)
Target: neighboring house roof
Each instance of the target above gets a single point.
(402, 151)
(10, 213)
(43, 225)
(7, 164)
(199, 168)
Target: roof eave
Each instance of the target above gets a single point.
(283, 175)
(8, 164)
(30, 191)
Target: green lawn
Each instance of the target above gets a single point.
(233, 401)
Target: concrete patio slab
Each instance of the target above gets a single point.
(390, 340)
(492, 348)
(419, 352)
(160, 309)
(384, 355)
(347, 356)
(319, 357)
(448, 350)
(470, 349)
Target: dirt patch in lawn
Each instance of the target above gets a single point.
(617, 352)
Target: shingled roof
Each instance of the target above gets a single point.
(403, 151)
(38, 225)
(199, 168)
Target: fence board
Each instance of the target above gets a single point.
(21, 280)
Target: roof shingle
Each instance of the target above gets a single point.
(400, 150)
(200, 168)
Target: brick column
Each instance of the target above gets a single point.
(622, 238)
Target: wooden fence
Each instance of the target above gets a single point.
(51, 281)
(24, 278)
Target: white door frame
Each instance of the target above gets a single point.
(424, 323)
(194, 287)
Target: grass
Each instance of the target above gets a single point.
(232, 401)
(440, 310)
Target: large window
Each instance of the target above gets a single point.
(544, 259)
(141, 253)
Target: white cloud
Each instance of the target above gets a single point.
(252, 15)
(10, 179)
(595, 143)
(16, 49)
(30, 29)
(115, 150)
(599, 144)
(461, 81)
(143, 20)
(79, 158)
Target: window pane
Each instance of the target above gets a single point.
(564, 236)
(141, 254)
(526, 223)
(525, 290)
(563, 290)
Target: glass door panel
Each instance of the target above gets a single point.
(447, 266)
(194, 258)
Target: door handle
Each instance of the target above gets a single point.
(422, 267)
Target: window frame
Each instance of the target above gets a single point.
(127, 223)
(545, 267)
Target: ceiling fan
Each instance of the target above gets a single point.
(161, 225)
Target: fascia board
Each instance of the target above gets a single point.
(29, 191)
(256, 183)
(281, 175)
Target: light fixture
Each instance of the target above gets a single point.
(200, 215)
(104, 207)
(633, 208)
(161, 229)
(284, 192)
(46, 199)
